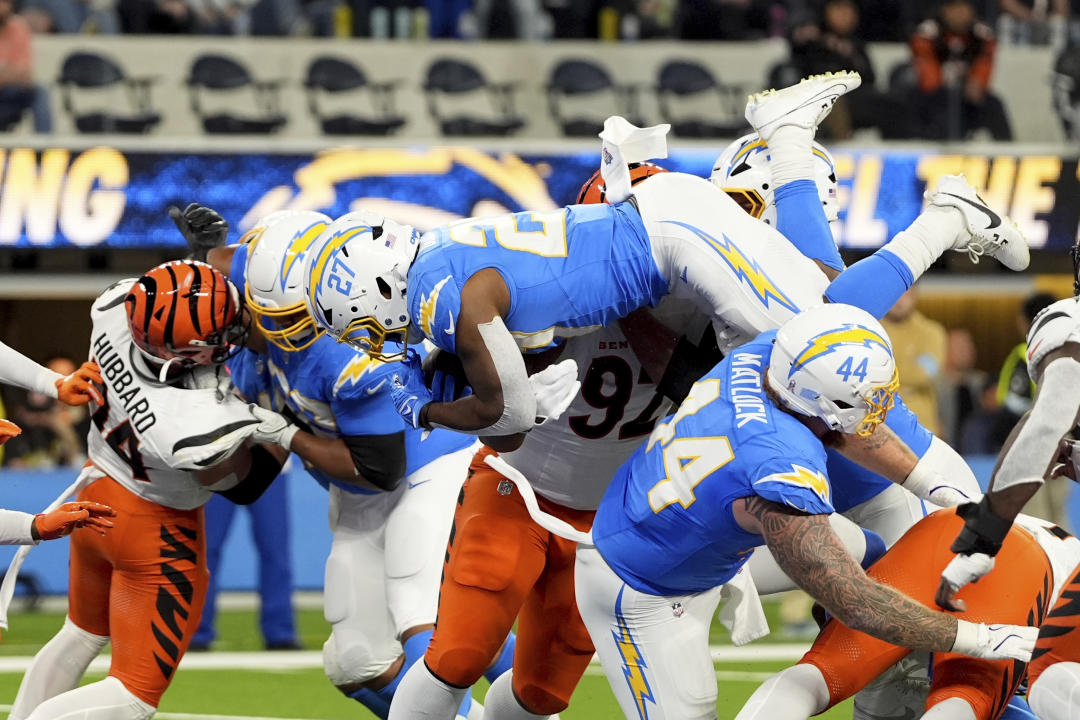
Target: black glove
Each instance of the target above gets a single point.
(203, 228)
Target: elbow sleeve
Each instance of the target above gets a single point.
(379, 459)
(264, 468)
(519, 403)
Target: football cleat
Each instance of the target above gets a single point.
(988, 233)
(803, 105)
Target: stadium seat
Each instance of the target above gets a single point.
(584, 79)
(688, 80)
(92, 72)
(335, 76)
(449, 77)
(222, 75)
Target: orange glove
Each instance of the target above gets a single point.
(8, 430)
(78, 387)
(67, 517)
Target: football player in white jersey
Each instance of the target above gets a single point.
(167, 432)
(1039, 446)
(19, 528)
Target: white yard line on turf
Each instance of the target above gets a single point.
(308, 659)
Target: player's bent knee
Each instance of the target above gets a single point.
(350, 664)
(460, 667)
(539, 700)
(1056, 691)
(978, 700)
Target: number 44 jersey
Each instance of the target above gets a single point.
(149, 436)
(665, 524)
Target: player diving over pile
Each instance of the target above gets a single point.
(488, 289)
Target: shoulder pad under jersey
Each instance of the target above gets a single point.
(1056, 325)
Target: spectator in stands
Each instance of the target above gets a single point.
(962, 384)
(1015, 389)
(1035, 22)
(18, 92)
(723, 19)
(97, 17)
(270, 530)
(985, 430)
(919, 348)
(53, 434)
(953, 59)
(156, 17)
(831, 45)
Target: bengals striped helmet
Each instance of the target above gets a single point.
(594, 192)
(187, 311)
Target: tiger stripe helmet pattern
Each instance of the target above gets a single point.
(187, 311)
(594, 192)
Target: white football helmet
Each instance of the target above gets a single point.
(274, 276)
(355, 278)
(835, 362)
(742, 171)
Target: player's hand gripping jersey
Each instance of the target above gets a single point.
(147, 435)
(568, 271)
(677, 535)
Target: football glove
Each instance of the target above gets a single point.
(995, 642)
(273, 428)
(79, 387)
(554, 387)
(8, 430)
(407, 390)
(203, 228)
(961, 571)
(64, 519)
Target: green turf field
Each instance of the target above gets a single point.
(305, 693)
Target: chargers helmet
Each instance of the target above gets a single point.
(835, 362)
(355, 278)
(742, 171)
(186, 312)
(273, 277)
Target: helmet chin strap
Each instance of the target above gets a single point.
(164, 372)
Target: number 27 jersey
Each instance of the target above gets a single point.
(568, 271)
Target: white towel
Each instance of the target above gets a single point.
(623, 143)
(742, 613)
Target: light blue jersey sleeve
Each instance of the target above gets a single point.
(250, 377)
(798, 480)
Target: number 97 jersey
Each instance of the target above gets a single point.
(568, 271)
(665, 524)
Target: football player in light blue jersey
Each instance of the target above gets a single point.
(741, 464)
(486, 289)
(392, 492)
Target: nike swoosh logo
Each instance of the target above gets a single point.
(418, 484)
(373, 390)
(994, 219)
(450, 330)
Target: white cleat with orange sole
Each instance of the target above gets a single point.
(803, 105)
(988, 233)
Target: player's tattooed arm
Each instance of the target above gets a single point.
(882, 451)
(807, 549)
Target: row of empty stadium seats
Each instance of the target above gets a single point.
(447, 84)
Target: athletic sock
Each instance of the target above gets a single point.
(953, 708)
(791, 155)
(57, 667)
(422, 696)
(505, 661)
(792, 694)
(801, 219)
(927, 238)
(873, 284)
(501, 704)
(415, 647)
(373, 701)
(1056, 693)
(106, 699)
(875, 548)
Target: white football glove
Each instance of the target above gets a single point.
(995, 642)
(273, 428)
(966, 569)
(554, 387)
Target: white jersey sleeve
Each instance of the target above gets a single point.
(15, 528)
(1056, 325)
(17, 369)
(149, 436)
(571, 461)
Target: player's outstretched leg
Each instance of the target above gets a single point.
(796, 693)
(787, 120)
(954, 219)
